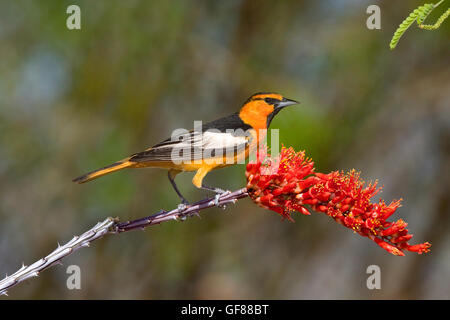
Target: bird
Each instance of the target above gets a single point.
(220, 143)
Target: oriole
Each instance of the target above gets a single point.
(207, 148)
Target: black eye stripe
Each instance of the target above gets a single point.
(272, 100)
(267, 100)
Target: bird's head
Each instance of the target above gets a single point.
(259, 110)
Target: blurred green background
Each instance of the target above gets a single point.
(75, 100)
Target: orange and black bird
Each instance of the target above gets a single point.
(217, 144)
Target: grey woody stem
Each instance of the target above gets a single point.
(114, 226)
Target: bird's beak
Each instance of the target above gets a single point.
(286, 102)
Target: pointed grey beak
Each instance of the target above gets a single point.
(286, 102)
(278, 106)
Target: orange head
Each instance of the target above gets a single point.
(259, 110)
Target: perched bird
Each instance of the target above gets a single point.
(220, 143)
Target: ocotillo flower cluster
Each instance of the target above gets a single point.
(288, 183)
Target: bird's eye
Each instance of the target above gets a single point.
(271, 100)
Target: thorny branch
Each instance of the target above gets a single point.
(114, 226)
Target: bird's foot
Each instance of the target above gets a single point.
(220, 194)
(183, 205)
(216, 199)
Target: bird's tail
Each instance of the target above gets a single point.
(102, 171)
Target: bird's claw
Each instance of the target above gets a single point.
(217, 197)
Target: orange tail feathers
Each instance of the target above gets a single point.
(102, 171)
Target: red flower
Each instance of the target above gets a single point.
(288, 183)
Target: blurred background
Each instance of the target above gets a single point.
(75, 100)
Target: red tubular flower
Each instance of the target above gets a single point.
(288, 183)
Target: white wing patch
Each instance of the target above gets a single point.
(196, 146)
(220, 140)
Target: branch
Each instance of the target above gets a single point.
(114, 226)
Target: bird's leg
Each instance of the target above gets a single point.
(213, 189)
(171, 176)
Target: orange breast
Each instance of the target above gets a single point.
(255, 113)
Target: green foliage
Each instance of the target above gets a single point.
(419, 15)
(424, 12)
(438, 22)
